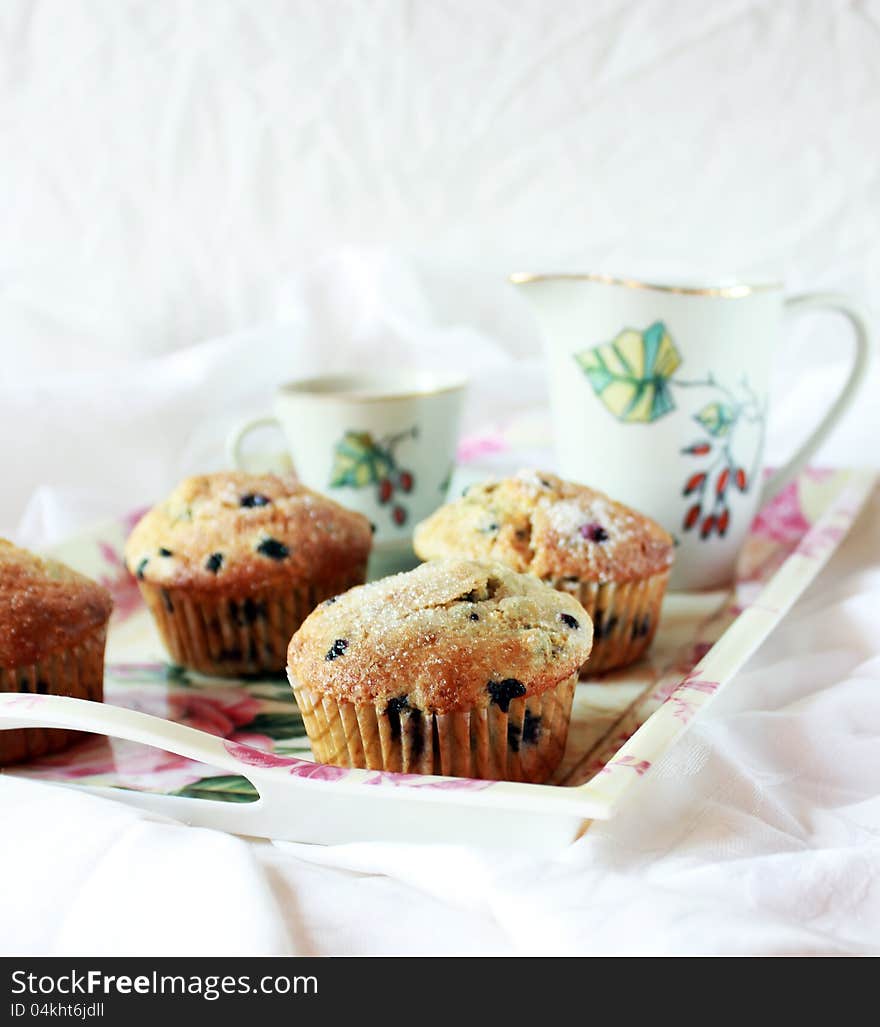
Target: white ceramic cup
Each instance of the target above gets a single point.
(659, 396)
(382, 444)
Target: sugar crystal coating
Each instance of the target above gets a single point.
(269, 529)
(414, 636)
(44, 606)
(552, 528)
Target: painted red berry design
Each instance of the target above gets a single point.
(692, 516)
(362, 460)
(698, 449)
(696, 481)
(709, 510)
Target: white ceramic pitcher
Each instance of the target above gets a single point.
(659, 395)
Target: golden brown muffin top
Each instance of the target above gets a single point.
(552, 528)
(236, 532)
(449, 635)
(44, 606)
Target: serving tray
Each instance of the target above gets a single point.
(234, 754)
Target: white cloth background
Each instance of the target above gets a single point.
(204, 200)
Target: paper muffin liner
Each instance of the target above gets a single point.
(76, 671)
(525, 742)
(625, 616)
(226, 636)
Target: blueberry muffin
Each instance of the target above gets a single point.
(53, 625)
(613, 559)
(232, 563)
(457, 668)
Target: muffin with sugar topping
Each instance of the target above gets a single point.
(53, 626)
(615, 560)
(458, 668)
(230, 564)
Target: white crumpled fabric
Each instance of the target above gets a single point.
(199, 207)
(109, 439)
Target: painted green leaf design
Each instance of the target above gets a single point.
(278, 725)
(359, 461)
(716, 418)
(630, 374)
(224, 788)
(272, 691)
(177, 674)
(447, 480)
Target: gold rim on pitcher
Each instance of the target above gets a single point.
(733, 291)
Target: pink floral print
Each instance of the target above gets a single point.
(782, 519)
(394, 779)
(697, 684)
(682, 709)
(298, 767)
(639, 766)
(473, 447)
(820, 541)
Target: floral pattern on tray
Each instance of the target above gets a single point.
(253, 716)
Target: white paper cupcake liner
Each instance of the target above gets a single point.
(525, 742)
(76, 671)
(236, 637)
(625, 617)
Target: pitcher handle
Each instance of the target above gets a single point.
(843, 305)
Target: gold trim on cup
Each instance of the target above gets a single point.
(736, 291)
(305, 388)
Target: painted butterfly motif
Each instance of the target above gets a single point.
(631, 374)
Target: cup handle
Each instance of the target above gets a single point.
(236, 438)
(843, 305)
